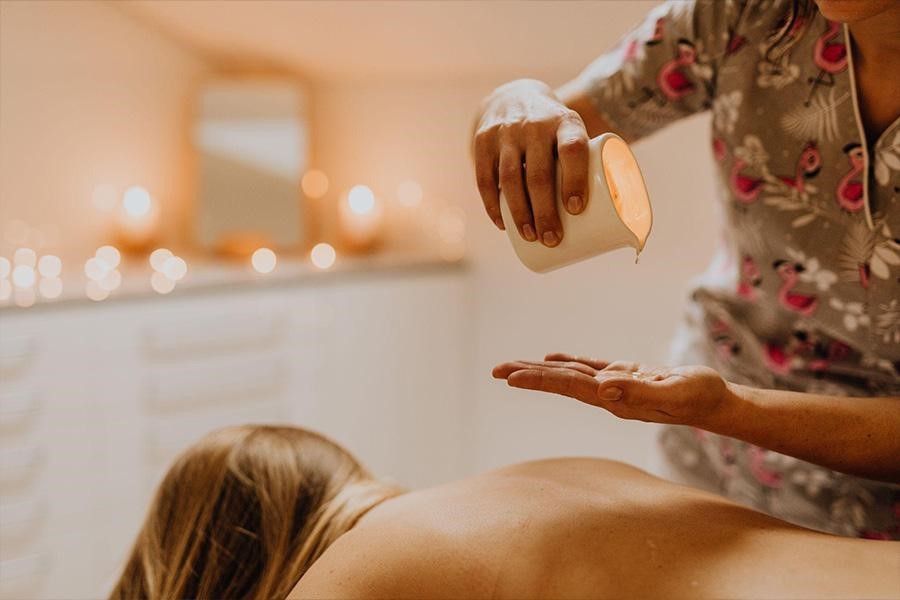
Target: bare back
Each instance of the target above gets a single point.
(589, 528)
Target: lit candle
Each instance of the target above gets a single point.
(137, 219)
(361, 217)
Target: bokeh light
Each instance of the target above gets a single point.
(361, 200)
(25, 257)
(314, 183)
(5, 267)
(323, 256)
(95, 291)
(263, 260)
(50, 287)
(161, 284)
(24, 297)
(136, 201)
(159, 257)
(174, 268)
(96, 269)
(50, 266)
(5, 290)
(109, 255)
(23, 276)
(111, 281)
(451, 225)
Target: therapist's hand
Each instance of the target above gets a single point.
(521, 130)
(680, 395)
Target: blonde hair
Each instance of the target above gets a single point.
(244, 512)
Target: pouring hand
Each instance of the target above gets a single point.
(524, 122)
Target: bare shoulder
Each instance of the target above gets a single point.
(389, 557)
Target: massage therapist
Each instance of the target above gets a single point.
(794, 405)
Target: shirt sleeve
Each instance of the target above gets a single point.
(666, 67)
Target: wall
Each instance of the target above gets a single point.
(88, 96)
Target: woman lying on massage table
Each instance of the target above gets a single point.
(275, 512)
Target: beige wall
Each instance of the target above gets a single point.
(88, 96)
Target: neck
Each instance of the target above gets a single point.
(877, 38)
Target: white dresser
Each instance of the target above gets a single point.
(96, 399)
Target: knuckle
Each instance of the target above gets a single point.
(510, 174)
(573, 147)
(539, 176)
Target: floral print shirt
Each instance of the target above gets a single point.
(803, 292)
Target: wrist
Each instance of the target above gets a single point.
(727, 409)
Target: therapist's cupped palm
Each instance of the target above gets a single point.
(688, 395)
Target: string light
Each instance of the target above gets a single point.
(323, 256)
(263, 260)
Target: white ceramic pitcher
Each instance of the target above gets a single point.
(617, 213)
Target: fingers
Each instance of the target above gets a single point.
(594, 363)
(504, 370)
(486, 162)
(572, 146)
(540, 178)
(512, 184)
(565, 382)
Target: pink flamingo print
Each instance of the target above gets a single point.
(800, 303)
(745, 188)
(735, 42)
(750, 278)
(830, 56)
(760, 472)
(808, 166)
(777, 359)
(850, 188)
(672, 81)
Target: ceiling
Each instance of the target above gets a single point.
(439, 39)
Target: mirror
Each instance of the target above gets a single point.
(252, 142)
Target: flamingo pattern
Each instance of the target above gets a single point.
(803, 291)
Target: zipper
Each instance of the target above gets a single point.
(859, 126)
